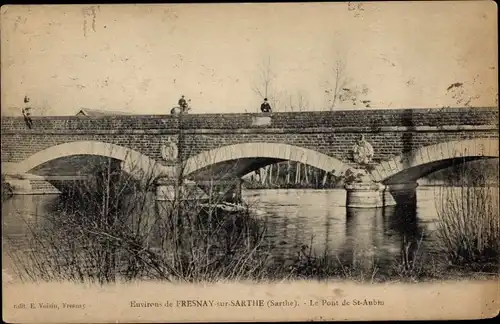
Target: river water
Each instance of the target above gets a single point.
(320, 220)
(317, 219)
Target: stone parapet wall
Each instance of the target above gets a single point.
(368, 118)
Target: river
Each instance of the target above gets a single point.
(316, 219)
(320, 220)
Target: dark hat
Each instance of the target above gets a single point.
(265, 99)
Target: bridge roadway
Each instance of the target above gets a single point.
(408, 144)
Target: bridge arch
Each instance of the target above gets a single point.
(262, 154)
(135, 163)
(420, 162)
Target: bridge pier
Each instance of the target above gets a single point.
(222, 190)
(19, 186)
(28, 184)
(166, 189)
(400, 194)
(364, 195)
(375, 195)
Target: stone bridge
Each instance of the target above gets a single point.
(407, 143)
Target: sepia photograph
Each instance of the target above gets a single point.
(250, 162)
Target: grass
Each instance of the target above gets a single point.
(227, 248)
(115, 230)
(469, 224)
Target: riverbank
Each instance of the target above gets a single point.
(251, 260)
(293, 175)
(300, 234)
(6, 189)
(432, 273)
(254, 185)
(423, 269)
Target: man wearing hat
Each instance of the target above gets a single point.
(265, 107)
(183, 103)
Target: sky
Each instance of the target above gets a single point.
(141, 58)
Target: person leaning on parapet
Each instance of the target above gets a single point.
(265, 107)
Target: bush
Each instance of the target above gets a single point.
(114, 229)
(6, 189)
(469, 222)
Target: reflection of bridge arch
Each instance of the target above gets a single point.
(418, 163)
(241, 159)
(137, 164)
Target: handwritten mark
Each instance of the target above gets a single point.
(89, 12)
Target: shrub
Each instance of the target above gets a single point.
(469, 222)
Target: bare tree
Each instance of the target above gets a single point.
(299, 102)
(340, 89)
(114, 229)
(340, 81)
(468, 219)
(263, 84)
(263, 88)
(302, 102)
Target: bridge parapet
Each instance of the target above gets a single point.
(372, 119)
(407, 143)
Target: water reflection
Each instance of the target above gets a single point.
(294, 219)
(297, 216)
(364, 232)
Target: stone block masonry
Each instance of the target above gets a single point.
(407, 143)
(391, 132)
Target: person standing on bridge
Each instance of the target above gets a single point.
(26, 113)
(183, 103)
(265, 107)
